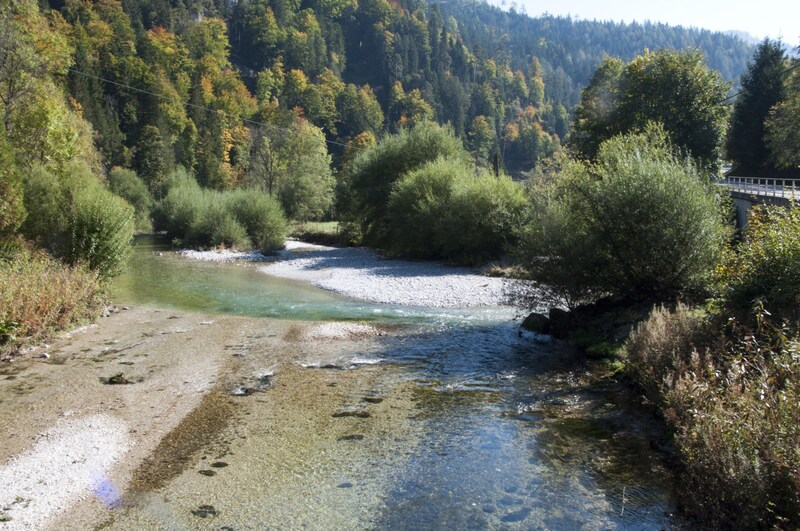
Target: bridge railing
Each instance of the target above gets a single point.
(784, 188)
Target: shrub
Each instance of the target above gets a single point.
(215, 226)
(365, 189)
(100, 231)
(77, 219)
(483, 218)
(40, 295)
(181, 207)
(12, 206)
(641, 223)
(740, 438)
(128, 185)
(444, 210)
(734, 407)
(765, 267)
(245, 218)
(659, 351)
(261, 216)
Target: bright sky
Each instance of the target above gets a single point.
(760, 18)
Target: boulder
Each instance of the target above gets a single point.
(537, 322)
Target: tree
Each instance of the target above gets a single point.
(371, 176)
(595, 114)
(150, 157)
(358, 111)
(762, 89)
(675, 89)
(783, 127)
(291, 163)
(12, 207)
(481, 138)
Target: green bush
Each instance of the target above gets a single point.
(363, 193)
(444, 210)
(128, 185)
(261, 216)
(641, 223)
(77, 219)
(215, 226)
(245, 218)
(181, 207)
(12, 206)
(100, 231)
(765, 267)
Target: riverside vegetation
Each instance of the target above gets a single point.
(218, 142)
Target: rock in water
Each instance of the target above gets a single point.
(537, 322)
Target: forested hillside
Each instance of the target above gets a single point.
(146, 72)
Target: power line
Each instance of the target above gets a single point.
(195, 106)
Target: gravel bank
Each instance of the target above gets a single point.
(69, 462)
(363, 274)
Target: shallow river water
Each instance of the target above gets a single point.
(452, 420)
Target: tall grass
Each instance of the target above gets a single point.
(40, 295)
(733, 401)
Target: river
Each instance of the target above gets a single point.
(450, 420)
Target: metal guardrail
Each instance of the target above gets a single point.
(761, 186)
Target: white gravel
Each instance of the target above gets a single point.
(223, 255)
(363, 274)
(339, 330)
(66, 464)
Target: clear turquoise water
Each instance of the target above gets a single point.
(512, 431)
(158, 277)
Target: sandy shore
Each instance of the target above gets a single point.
(75, 446)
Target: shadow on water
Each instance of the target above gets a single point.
(518, 433)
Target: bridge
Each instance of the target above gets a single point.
(749, 191)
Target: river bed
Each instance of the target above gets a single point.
(415, 418)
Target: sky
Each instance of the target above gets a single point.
(760, 18)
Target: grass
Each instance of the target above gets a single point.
(319, 232)
(40, 296)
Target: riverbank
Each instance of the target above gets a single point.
(363, 274)
(112, 411)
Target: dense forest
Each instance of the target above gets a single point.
(175, 82)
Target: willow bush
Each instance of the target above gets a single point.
(640, 223)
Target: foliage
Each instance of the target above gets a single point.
(244, 218)
(732, 401)
(128, 185)
(76, 218)
(261, 216)
(639, 223)
(39, 295)
(443, 209)
(365, 190)
(661, 349)
(765, 266)
(293, 165)
(12, 206)
(675, 89)
(782, 127)
(762, 89)
(100, 231)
